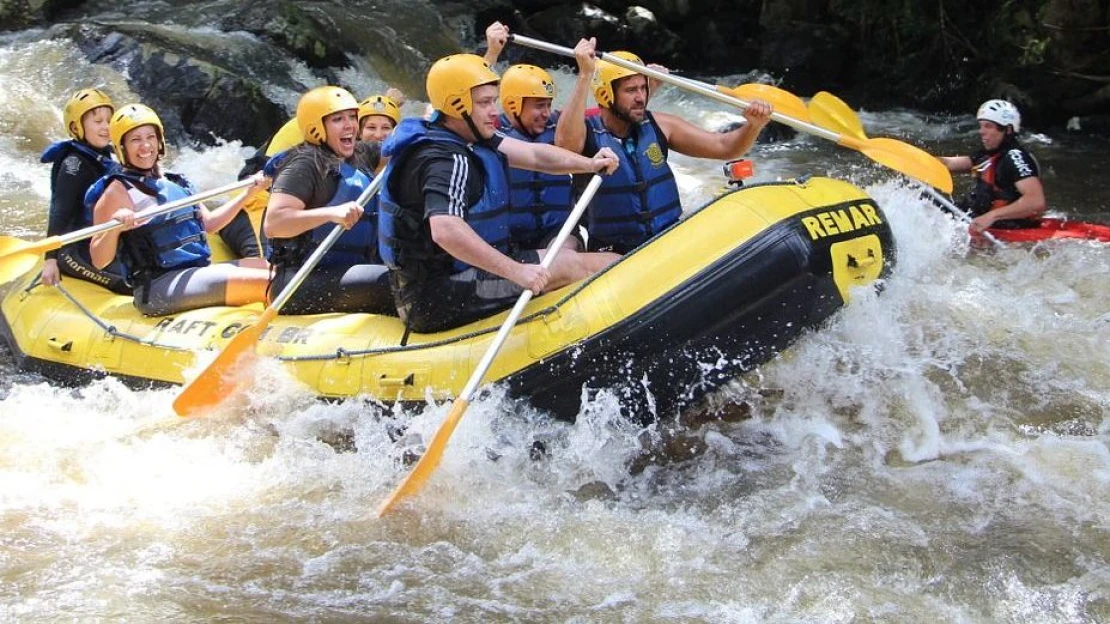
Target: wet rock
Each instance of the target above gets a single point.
(670, 444)
(595, 490)
(295, 28)
(643, 26)
(196, 94)
(566, 24)
(17, 14)
(808, 60)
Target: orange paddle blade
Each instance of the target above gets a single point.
(429, 461)
(784, 101)
(225, 374)
(833, 113)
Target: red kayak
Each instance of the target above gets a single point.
(1051, 229)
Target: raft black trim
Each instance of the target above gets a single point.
(670, 346)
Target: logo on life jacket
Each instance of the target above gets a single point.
(1023, 168)
(655, 155)
(840, 221)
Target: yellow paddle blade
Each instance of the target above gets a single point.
(784, 101)
(10, 246)
(18, 257)
(429, 461)
(831, 112)
(225, 374)
(905, 158)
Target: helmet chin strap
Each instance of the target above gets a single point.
(478, 138)
(524, 129)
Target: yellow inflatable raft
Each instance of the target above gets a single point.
(721, 292)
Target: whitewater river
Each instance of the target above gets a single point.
(938, 453)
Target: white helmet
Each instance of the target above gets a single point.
(1000, 112)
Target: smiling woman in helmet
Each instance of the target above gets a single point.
(167, 257)
(445, 206)
(378, 115)
(315, 189)
(77, 164)
(1008, 191)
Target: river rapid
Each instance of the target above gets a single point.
(938, 452)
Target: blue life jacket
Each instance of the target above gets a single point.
(273, 163)
(641, 198)
(56, 152)
(541, 202)
(358, 245)
(411, 244)
(168, 242)
(102, 163)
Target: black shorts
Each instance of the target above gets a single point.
(72, 262)
(358, 288)
(447, 302)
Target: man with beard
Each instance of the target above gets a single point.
(641, 198)
(1008, 191)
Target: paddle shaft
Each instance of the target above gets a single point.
(958, 212)
(526, 296)
(153, 211)
(222, 377)
(302, 273)
(434, 453)
(685, 83)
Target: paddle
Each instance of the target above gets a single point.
(224, 375)
(894, 154)
(431, 458)
(834, 113)
(17, 256)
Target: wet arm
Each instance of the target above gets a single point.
(570, 131)
(497, 34)
(545, 158)
(956, 163)
(217, 218)
(1030, 204)
(686, 138)
(103, 246)
(286, 216)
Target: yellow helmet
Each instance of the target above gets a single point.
(605, 74)
(522, 81)
(379, 105)
(127, 119)
(450, 80)
(82, 102)
(317, 104)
